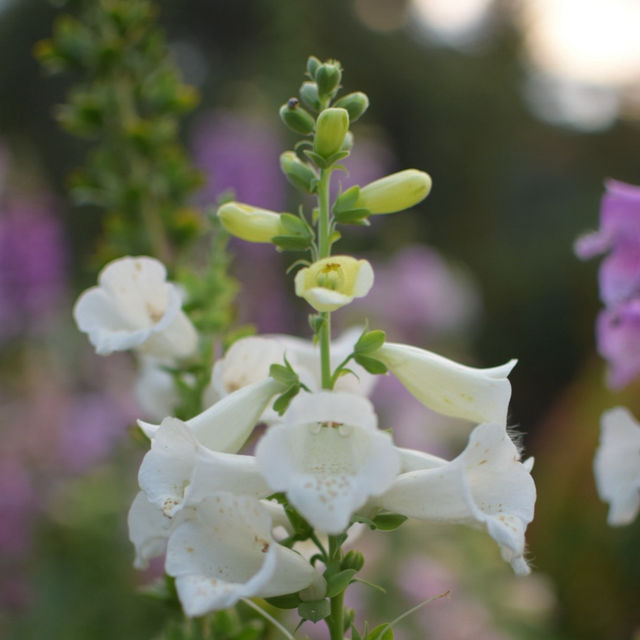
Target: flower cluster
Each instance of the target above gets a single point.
(230, 522)
(617, 466)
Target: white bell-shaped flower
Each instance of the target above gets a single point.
(617, 465)
(328, 457)
(450, 388)
(248, 360)
(134, 307)
(226, 552)
(485, 485)
(226, 425)
(178, 470)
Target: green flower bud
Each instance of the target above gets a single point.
(312, 65)
(331, 129)
(353, 560)
(298, 173)
(296, 118)
(250, 223)
(328, 76)
(355, 104)
(309, 96)
(395, 192)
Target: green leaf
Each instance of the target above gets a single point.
(317, 159)
(371, 364)
(295, 225)
(355, 634)
(289, 601)
(283, 374)
(314, 610)
(338, 582)
(370, 341)
(381, 632)
(281, 403)
(347, 199)
(353, 216)
(356, 517)
(291, 243)
(389, 521)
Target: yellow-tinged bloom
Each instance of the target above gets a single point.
(395, 192)
(332, 282)
(250, 223)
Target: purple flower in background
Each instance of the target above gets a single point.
(618, 325)
(240, 154)
(31, 265)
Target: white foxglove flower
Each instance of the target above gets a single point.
(617, 465)
(328, 456)
(227, 552)
(479, 395)
(178, 470)
(134, 307)
(485, 485)
(248, 360)
(330, 283)
(226, 425)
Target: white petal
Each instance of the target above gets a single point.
(323, 299)
(413, 460)
(480, 395)
(486, 484)
(328, 457)
(617, 465)
(178, 471)
(227, 552)
(155, 390)
(226, 425)
(148, 530)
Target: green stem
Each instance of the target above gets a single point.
(324, 250)
(335, 621)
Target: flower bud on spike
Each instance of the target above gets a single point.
(309, 96)
(395, 192)
(312, 65)
(328, 76)
(355, 104)
(331, 129)
(296, 118)
(298, 173)
(347, 145)
(250, 223)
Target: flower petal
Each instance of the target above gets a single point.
(617, 465)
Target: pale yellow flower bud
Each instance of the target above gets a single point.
(332, 282)
(250, 223)
(395, 192)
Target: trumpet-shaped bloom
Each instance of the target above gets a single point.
(485, 485)
(617, 465)
(328, 456)
(330, 283)
(226, 425)
(226, 552)
(480, 395)
(134, 307)
(178, 470)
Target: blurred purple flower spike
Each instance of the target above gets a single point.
(239, 154)
(618, 336)
(619, 221)
(618, 325)
(31, 265)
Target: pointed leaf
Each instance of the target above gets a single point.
(338, 582)
(371, 364)
(381, 632)
(289, 601)
(389, 521)
(314, 610)
(370, 341)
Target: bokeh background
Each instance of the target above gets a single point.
(519, 110)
